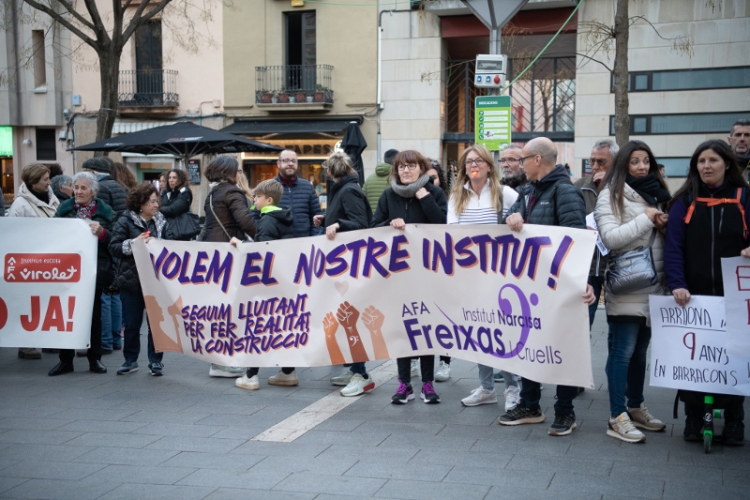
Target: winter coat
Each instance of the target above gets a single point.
(590, 193)
(693, 252)
(28, 205)
(302, 199)
(348, 205)
(376, 184)
(176, 203)
(61, 197)
(106, 218)
(558, 201)
(128, 227)
(275, 224)
(431, 209)
(113, 194)
(230, 205)
(626, 231)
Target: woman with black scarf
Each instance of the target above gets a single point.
(629, 215)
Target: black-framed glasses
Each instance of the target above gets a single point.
(288, 160)
(524, 158)
(407, 166)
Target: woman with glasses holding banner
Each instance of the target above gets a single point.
(412, 199)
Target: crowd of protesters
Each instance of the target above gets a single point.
(626, 199)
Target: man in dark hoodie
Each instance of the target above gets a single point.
(275, 224)
(376, 183)
(549, 199)
(739, 141)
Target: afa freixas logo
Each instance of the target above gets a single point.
(42, 267)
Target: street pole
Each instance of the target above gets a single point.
(495, 46)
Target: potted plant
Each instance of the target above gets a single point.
(266, 96)
(283, 95)
(300, 96)
(320, 93)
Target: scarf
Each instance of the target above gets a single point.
(410, 190)
(43, 197)
(287, 182)
(649, 188)
(86, 212)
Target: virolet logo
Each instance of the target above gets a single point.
(42, 267)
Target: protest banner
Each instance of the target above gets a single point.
(47, 289)
(736, 275)
(689, 347)
(479, 293)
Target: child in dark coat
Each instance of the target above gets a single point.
(275, 224)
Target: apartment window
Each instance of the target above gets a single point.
(675, 166)
(301, 50)
(40, 64)
(693, 123)
(687, 79)
(46, 149)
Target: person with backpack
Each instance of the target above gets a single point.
(709, 218)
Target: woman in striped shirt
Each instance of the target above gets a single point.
(479, 198)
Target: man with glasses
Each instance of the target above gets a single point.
(549, 199)
(510, 163)
(602, 157)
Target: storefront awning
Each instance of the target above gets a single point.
(122, 127)
(265, 127)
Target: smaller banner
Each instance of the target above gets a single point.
(689, 347)
(736, 273)
(48, 282)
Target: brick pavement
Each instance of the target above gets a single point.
(187, 436)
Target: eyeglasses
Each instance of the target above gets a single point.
(508, 160)
(478, 162)
(285, 161)
(600, 161)
(524, 158)
(409, 166)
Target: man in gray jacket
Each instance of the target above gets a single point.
(549, 199)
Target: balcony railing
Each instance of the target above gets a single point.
(293, 84)
(148, 87)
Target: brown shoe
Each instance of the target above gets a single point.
(29, 353)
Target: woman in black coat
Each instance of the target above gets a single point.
(85, 205)
(348, 210)
(412, 199)
(141, 221)
(177, 197)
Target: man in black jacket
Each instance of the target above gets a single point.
(549, 199)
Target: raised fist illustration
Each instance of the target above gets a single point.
(330, 325)
(373, 320)
(348, 316)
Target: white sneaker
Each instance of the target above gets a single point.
(358, 385)
(251, 384)
(342, 378)
(443, 373)
(622, 428)
(480, 396)
(282, 378)
(512, 397)
(642, 419)
(226, 371)
(415, 369)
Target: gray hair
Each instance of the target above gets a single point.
(88, 177)
(609, 144)
(512, 146)
(61, 181)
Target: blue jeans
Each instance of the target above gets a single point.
(132, 313)
(597, 283)
(626, 365)
(531, 393)
(358, 368)
(111, 321)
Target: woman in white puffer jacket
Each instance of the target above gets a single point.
(628, 214)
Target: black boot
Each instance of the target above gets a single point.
(733, 433)
(96, 366)
(693, 428)
(61, 368)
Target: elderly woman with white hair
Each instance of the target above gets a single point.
(100, 217)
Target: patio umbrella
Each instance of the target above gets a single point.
(353, 145)
(183, 140)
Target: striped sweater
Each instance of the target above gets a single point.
(480, 209)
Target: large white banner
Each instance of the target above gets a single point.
(48, 282)
(736, 275)
(480, 293)
(689, 347)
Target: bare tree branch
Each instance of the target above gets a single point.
(139, 18)
(72, 10)
(595, 60)
(60, 19)
(101, 32)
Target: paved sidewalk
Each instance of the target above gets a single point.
(188, 436)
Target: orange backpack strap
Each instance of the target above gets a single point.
(712, 202)
(689, 214)
(742, 211)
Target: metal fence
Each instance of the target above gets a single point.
(543, 100)
(148, 87)
(311, 83)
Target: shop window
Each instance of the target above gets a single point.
(675, 167)
(46, 149)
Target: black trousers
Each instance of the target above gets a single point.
(95, 351)
(427, 364)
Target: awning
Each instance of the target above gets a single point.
(265, 127)
(123, 127)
